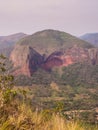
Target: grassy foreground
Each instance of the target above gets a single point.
(16, 113)
(22, 117)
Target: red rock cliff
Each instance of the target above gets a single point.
(27, 60)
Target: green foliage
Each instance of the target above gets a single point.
(76, 75)
(59, 107)
(17, 114)
(6, 84)
(48, 41)
(81, 74)
(39, 77)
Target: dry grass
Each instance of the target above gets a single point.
(26, 119)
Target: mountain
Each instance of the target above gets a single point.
(50, 49)
(91, 38)
(48, 41)
(7, 42)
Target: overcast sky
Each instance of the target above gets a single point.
(73, 16)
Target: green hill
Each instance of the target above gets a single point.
(48, 41)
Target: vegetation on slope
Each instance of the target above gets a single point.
(49, 41)
(7, 42)
(81, 74)
(17, 111)
(76, 86)
(78, 74)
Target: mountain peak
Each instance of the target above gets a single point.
(49, 41)
(26, 59)
(47, 49)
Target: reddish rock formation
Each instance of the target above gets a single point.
(53, 60)
(65, 58)
(28, 60)
(25, 59)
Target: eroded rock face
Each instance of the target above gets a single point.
(53, 60)
(27, 60)
(65, 58)
(93, 55)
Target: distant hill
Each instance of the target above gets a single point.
(47, 49)
(7, 42)
(48, 41)
(91, 38)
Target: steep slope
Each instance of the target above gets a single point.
(91, 38)
(70, 56)
(26, 60)
(53, 48)
(48, 41)
(7, 42)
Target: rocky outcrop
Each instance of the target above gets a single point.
(53, 60)
(66, 57)
(71, 56)
(93, 55)
(25, 59)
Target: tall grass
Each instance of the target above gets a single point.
(26, 119)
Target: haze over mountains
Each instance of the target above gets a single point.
(7, 42)
(91, 38)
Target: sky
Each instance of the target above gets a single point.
(76, 17)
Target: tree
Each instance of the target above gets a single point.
(6, 83)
